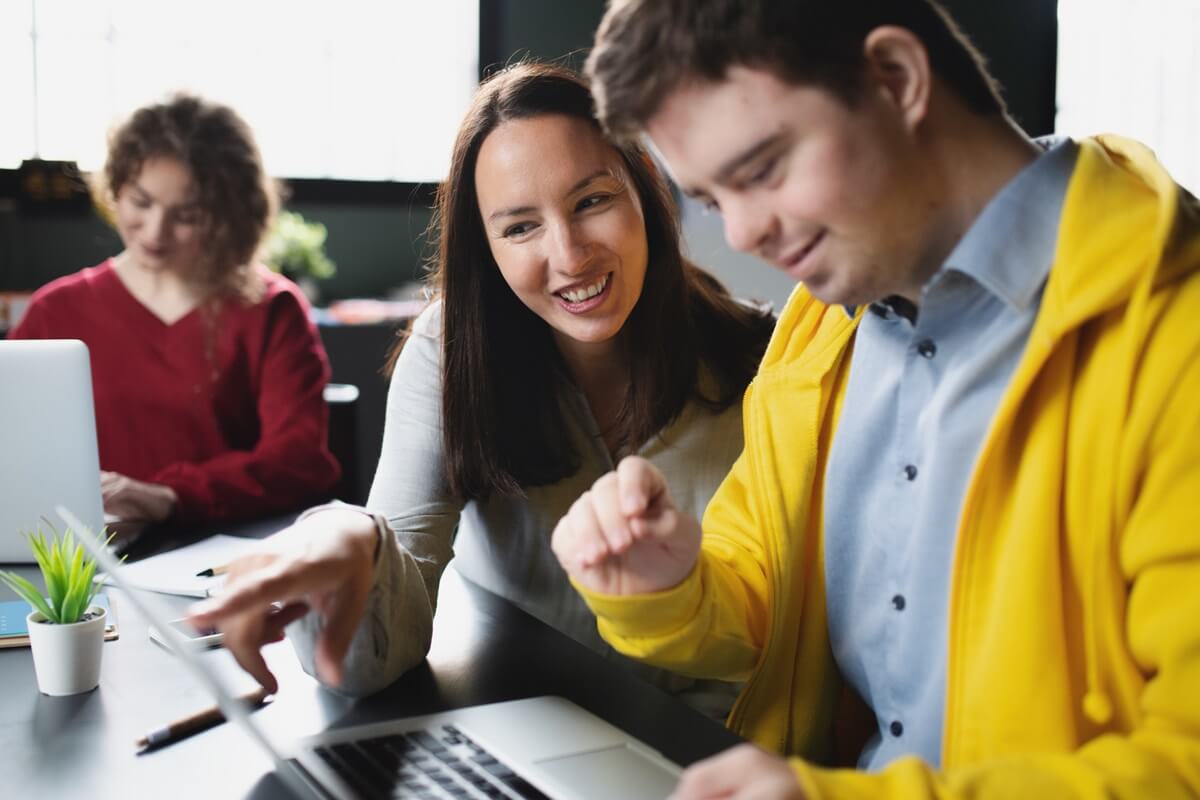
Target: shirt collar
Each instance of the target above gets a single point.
(1009, 248)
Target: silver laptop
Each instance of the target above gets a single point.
(47, 439)
(539, 747)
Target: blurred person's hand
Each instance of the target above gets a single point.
(741, 773)
(325, 563)
(625, 535)
(135, 503)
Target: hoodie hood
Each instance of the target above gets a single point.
(1125, 228)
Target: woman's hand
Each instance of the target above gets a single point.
(625, 535)
(135, 501)
(741, 773)
(325, 563)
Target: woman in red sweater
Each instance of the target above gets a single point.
(207, 371)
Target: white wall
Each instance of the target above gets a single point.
(1133, 67)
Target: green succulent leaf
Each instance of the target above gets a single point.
(89, 580)
(28, 592)
(67, 572)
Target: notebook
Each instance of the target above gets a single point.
(539, 747)
(47, 440)
(14, 630)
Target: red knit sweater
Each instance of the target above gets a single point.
(237, 435)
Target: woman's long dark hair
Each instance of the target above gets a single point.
(503, 426)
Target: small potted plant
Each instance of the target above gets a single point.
(66, 632)
(296, 248)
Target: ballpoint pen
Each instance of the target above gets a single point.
(182, 728)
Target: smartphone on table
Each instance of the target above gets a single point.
(196, 640)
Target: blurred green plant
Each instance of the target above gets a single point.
(296, 248)
(68, 575)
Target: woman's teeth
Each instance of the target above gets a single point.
(581, 294)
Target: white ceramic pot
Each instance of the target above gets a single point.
(66, 658)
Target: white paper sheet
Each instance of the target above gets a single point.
(174, 572)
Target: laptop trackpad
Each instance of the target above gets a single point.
(615, 772)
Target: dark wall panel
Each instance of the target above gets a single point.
(1020, 40)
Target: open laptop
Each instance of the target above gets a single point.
(47, 439)
(539, 747)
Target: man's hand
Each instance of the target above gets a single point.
(326, 562)
(742, 773)
(136, 501)
(625, 535)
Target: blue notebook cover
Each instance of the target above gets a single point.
(13, 631)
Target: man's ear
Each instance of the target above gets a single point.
(898, 64)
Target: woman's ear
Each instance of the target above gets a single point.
(898, 64)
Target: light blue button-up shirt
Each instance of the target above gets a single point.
(918, 404)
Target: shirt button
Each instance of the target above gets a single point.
(910, 472)
(926, 348)
(898, 602)
(896, 728)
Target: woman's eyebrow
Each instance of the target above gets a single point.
(518, 210)
(510, 212)
(600, 173)
(187, 205)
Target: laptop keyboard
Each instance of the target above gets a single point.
(441, 763)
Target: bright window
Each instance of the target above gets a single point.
(356, 89)
(1133, 67)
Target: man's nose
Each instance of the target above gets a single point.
(747, 226)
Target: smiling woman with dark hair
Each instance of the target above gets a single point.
(508, 272)
(567, 331)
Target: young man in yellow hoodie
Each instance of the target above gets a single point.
(971, 476)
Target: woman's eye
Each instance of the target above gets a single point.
(591, 201)
(519, 229)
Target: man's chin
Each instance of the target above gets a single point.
(833, 292)
(829, 291)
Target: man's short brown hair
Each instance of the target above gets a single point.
(645, 49)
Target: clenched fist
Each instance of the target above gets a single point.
(625, 535)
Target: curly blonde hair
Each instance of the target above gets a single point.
(236, 197)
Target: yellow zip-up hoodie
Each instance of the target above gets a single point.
(1074, 629)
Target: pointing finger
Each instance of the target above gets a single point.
(243, 641)
(639, 485)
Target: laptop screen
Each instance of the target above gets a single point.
(48, 440)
